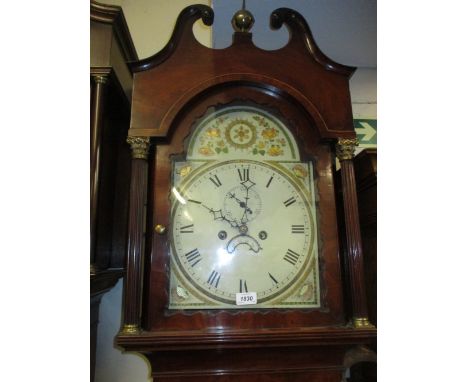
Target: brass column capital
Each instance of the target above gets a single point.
(345, 148)
(140, 147)
(100, 79)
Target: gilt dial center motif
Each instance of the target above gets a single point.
(241, 134)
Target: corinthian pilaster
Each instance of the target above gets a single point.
(136, 235)
(345, 149)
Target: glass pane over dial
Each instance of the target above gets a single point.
(241, 226)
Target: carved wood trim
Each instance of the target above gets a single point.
(261, 338)
(184, 23)
(300, 31)
(312, 79)
(112, 14)
(247, 79)
(103, 281)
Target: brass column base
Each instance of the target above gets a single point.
(130, 329)
(362, 323)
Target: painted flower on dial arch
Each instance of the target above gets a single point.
(275, 151)
(299, 171)
(261, 121)
(269, 133)
(261, 145)
(207, 151)
(213, 132)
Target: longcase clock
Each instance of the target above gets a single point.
(233, 263)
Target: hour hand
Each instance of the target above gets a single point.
(241, 203)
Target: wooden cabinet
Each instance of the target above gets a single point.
(110, 94)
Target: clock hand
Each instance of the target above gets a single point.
(241, 203)
(246, 208)
(244, 217)
(218, 215)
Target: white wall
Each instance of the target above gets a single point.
(151, 23)
(363, 88)
(111, 364)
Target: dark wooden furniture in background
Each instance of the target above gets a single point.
(365, 165)
(111, 83)
(171, 90)
(366, 183)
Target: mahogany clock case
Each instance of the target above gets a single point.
(309, 93)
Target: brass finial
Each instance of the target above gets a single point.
(243, 20)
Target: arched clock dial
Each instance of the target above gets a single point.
(242, 226)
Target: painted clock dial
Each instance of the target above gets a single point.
(242, 224)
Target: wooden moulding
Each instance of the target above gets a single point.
(175, 339)
(113, 15)
(103, 281)
(300, 30)
(184, 69)
(274, 355)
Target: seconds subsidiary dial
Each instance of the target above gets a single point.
(241, 226)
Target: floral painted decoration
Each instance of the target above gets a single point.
(299, 171)
(243, 132)
(269, 133)
(184, 171)
(206, 151)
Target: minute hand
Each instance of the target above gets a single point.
(246, 208)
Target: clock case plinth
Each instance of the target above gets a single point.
(171, 90)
